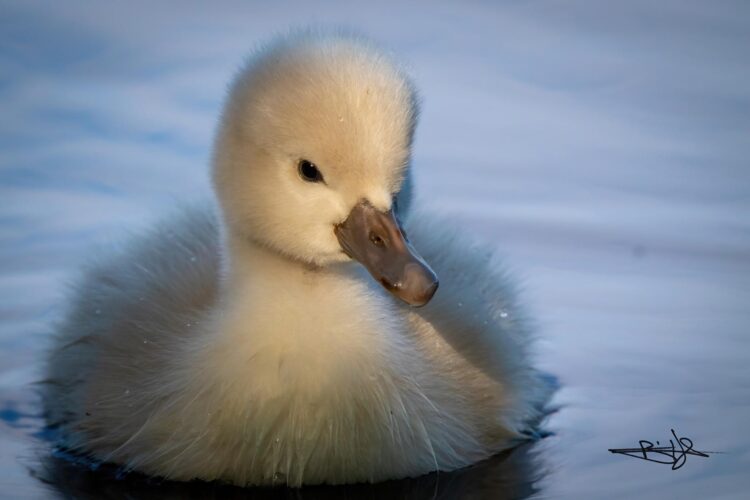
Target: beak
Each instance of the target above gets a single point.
(376, 240)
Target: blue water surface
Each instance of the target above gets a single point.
(602, 147)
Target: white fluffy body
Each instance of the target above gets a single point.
(241, 344)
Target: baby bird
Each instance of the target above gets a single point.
(293, 334)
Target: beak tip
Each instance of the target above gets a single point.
(425, 297)
(432, 289)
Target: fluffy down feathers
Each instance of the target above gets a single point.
(241, 345)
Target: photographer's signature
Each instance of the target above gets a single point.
(675, 454)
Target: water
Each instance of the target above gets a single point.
(603, 148)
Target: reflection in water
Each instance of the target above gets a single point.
(511, 474)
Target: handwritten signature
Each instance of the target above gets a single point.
(676, 453)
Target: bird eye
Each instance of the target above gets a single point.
(309, 172)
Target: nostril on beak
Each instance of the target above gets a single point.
(388, 285)
(376, 239)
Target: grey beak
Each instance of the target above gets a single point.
(376, 240)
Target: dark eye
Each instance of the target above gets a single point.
(309, 172)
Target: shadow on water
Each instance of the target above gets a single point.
(509, 475)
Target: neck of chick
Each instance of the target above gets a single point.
(286, 305)
(251, 266)
(262, 283)
(287, 328)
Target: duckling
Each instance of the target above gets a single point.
(293, 334)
